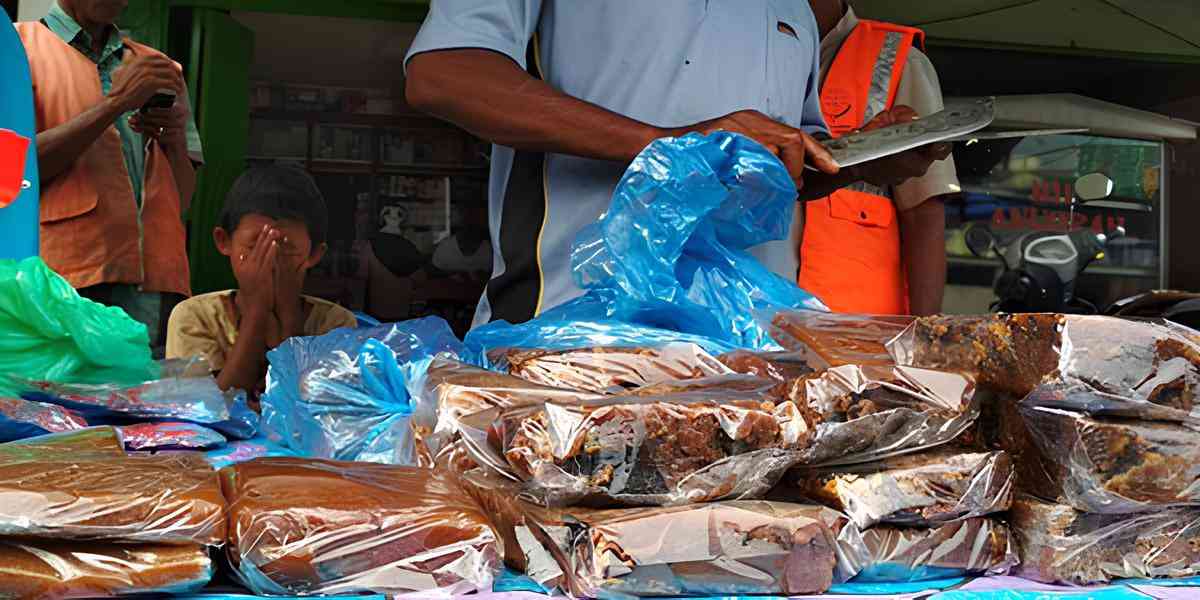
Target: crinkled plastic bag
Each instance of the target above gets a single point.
(450, 390)
(855, 414)
(59, 570)
(175, 397)
(631, 450)
(170, 436)
(557, 330)
(103, 440)
(672, 247)
(922, 489)
(345, 395)
(608, 370)
(1138, 369)
(304, 526)
(831, 339)
(48, 493)
(1060, 544)
(48, 332)
(20, 419)
(889, 553)
(723, 548)
(1112, 465)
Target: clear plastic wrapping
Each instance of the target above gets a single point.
(188, 398)
(780, 366)
(1060, 544)
(676, 449)
(1139, 369)
(170, 436)
(856, 414)
(922, 489)
(345, 395)
(608, 370)
(1114, 466)
(303, 526)
(833, 339)
(21, 419)
(450, 390)
(102, 440)
(56, 570)
(48, 493)
(723, 548)
(889, 553)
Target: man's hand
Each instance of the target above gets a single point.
(794, 147)
(898, 168)
(255, 274)
(167, 125)
(139, 78)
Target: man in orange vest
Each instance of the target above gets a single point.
(868, 249)
(115, 179)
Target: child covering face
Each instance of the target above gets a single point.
(272, 229)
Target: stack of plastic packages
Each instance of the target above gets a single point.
(923, 511)
(81, 519)
(1099, 414)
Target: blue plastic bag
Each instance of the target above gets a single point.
(671, 251)
(244, 450)
(345, 396)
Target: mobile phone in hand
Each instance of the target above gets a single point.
(161, 100)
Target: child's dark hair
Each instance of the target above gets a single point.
(277, 192)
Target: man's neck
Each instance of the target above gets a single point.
(98, 32)
(828, 13)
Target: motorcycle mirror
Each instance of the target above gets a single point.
(979, 239)
(1093, 186)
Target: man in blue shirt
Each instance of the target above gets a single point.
(571, 92)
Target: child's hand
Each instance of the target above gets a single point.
(289, 283)
(255, 272)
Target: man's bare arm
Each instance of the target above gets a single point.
(923, 249)
(58, 148)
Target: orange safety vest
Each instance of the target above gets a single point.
(850, 253)
(91, 226)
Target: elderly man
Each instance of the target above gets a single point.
(873, 249)
(570, 92)
(115, 179)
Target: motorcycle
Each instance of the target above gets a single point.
(1040, 268)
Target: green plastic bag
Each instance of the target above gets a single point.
(48, 332)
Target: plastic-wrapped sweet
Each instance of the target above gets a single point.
(889, 553)
(170, 436)
(1138, 369)
(61, 570)
(832, 339)
(450, 390)
(345, 395)
(629, 450)
(48, 493)
(607, 370)
(723, 548)
(103, 440)
(922, 489)
(1110, 465)
(780, 366)
(303, 526)
(1060, 544)
(21, 419)
(856, 414)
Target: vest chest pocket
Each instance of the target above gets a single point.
(862, 209)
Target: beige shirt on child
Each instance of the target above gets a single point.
(206, 325)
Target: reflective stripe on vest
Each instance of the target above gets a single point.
(850, 253)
